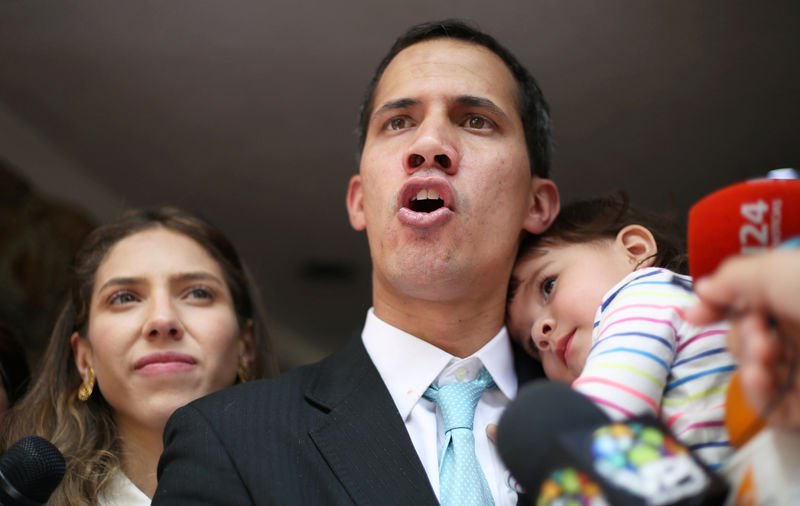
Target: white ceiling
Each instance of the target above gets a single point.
(245, 111)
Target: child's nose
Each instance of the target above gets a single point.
(541, 332)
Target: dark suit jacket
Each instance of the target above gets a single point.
(328, 433)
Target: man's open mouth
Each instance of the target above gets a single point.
(426, 201)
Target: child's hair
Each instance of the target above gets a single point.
(599, 219)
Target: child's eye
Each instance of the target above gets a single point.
(547, 287)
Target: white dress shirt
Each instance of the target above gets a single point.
(122, 492)
(408, 366)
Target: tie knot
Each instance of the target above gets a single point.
(458, 400)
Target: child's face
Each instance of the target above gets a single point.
(552, 312)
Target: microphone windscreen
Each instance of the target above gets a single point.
(741, 218)
(34, 467)
(526, 433)
(561, 447)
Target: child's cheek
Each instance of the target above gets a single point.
(555, 369)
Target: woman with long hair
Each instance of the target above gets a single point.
(161, 311)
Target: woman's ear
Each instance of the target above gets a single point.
(544, 205)
(247, 347)
(82, 351)
(638, 244)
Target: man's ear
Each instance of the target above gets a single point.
(355, 203)
(544, 205)
(82, 351)
(638, 244)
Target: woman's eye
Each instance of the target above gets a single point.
(398, 123)
(121, 298)
(200, 293)
(547, 287)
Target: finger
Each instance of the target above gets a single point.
(704, 313)
(491, 432)
(733, 340)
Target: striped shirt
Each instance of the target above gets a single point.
(645, 359)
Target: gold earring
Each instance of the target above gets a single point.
(242, 372)
(642, 261)
(87, 387)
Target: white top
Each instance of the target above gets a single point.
(646, 359)
(408, 366)
(122, 492)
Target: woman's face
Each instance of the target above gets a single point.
(162, 328)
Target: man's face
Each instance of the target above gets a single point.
(444, 187)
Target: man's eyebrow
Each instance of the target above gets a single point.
(393, 105)
(480, 102)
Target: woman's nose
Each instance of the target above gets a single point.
(163, 321)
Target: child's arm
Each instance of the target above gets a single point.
(640, 335)
(647, 360)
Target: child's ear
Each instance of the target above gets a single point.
(638, 244)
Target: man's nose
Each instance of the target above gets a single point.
(434, 146)
(162, 320)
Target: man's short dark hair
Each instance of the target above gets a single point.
(533, 109)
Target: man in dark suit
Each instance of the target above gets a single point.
(455, 144)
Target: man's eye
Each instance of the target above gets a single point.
(477, 123)
(398, 123)
(547, 287)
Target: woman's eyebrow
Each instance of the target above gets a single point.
(121, 281)
(196, 276)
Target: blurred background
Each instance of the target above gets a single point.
(245, 111)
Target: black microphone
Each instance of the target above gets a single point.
(29, 472)
(560, 446)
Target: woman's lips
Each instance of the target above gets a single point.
(164, 362)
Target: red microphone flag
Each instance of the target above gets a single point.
(742, 218)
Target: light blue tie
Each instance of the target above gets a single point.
(461, 480)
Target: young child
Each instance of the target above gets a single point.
(597, 299)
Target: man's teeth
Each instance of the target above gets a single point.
(427, 195)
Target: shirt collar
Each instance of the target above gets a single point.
(408, 365)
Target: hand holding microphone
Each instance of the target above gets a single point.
(758, 292)
(761, 292)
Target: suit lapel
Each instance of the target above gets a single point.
(362, 437)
